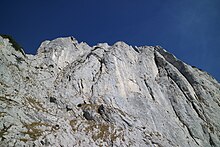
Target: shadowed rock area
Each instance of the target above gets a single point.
(70, 94)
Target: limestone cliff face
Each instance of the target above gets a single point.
(71, 94)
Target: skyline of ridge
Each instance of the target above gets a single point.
(188, 29)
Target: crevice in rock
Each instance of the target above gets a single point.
(182, 121)
(182, 68)
(53, 100)
(94, 54)
(79, 87)
(211, 142)
(87, 115)
(99, 72)
(68, 108)
(101, 109)
(69, 78)
(149, 89)
(135, 49)
(101, 61)
(200, 113)
(177, 64)
(79, 105)
(160, 64)
(187, 97)
(155, 60)
(116, 57)
(103, 113)
(126, 122)
(4, 131)
(81, 84)
(92, 90)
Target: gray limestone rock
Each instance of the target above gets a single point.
(71, 94)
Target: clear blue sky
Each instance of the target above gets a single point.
(190, 29)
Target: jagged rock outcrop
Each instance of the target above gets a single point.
(71, 94)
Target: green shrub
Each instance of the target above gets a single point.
(15, 45)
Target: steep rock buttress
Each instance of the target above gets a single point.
(71, 94)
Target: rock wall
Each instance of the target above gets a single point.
(71, 94)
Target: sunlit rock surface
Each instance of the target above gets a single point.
(71, 94)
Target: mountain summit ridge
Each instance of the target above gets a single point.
(71, 94)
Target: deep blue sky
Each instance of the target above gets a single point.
(190, 29)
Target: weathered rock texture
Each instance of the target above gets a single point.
(71, 94)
